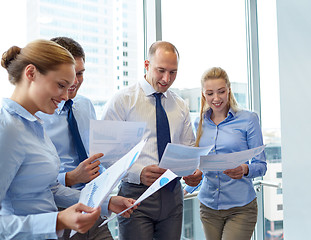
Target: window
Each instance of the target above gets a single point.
(270, 115)
(212, 34)
(40, 19)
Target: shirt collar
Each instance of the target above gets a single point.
(147, 88)
(15, 108)
(62, 107)
(231, 114)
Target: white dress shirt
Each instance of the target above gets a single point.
(137, 104)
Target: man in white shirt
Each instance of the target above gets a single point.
(160, 215)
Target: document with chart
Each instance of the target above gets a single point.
(114, 138)
(182, 160)
(96, 192)
(221, 162)
(165, 178)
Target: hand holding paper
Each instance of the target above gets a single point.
(167, 177)
(182, 160)
(96, 192)
(222, 162)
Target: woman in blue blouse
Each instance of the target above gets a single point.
(42, 72)
(228, 207)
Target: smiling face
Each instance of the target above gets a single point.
(79, 68)
(161, 69)
(48, 90)
(216, 94)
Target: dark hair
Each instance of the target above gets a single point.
(164, 45)
(43, 54)
(71, 45)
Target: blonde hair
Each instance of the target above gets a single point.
(210, 74)
(43, 54)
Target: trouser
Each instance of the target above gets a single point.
(158, 217)
(236, 223)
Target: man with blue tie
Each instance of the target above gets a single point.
(168, 120)
(68, 129)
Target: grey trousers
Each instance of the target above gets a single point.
(236, 223)
(95, 233)
(158, 217)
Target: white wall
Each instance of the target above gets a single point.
(294, 32)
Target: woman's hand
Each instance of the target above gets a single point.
(74, 218)
(238, 172)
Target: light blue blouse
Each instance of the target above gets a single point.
(29, 166)
(239, 131)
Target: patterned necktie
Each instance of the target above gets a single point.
(163, 133)
(73, 127)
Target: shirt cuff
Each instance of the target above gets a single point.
(190, 189)
(62, 178)
(45, 224)
(133, 175)
(250, 171)
(105, 212)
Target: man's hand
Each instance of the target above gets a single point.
(238, 172)
(194, 179)
(117, 204)
(150, 174)
(85, 172)
(74, 218)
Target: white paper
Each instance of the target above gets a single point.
(221, 162)
(165, 178)
(96, 192)
(182, 160)
(114, 138)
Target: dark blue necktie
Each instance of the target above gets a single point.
(73, 127)
(163, 133)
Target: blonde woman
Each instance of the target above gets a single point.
(228, 206)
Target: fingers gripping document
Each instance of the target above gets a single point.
(183, 160)
(114, 138)
(221, 162)
(165, 178)
(96, 192)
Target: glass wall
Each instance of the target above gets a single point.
(110, 31)
(270, 117)
(207, 34)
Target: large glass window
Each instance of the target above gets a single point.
(206, 33)
(111, 33)
(270, 117)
